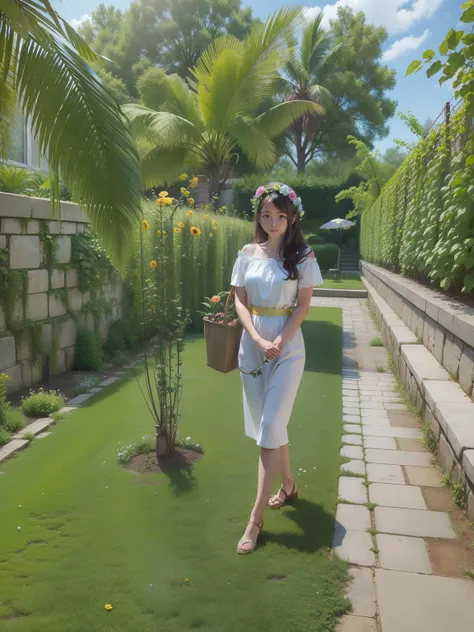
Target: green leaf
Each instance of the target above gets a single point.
(468, 16)
(434, 68)
(413, 67)
(453, 38)
(470, 161)
(444, 48)
(468, 283)
(428, 54)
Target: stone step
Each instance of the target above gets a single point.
(35, 428)
(415, 522)
(12, 448)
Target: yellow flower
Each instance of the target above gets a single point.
(181, 224)
(161, 201)
(108, 607)
(169, 201)
(158, 232)
(276, 187)
(211, 235)
(146, 225)
(186, 194)
(183, 176)
(191, 201)
(163, 194)
(153, 264)
(153, 307)
(193, 182)
(195, 231)
(182, 190)
(177, 230)
(190, 213)
(164, 233)
(186, 580)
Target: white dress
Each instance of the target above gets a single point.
(269, 398)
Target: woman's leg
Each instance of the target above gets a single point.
(287, 480)
(268, 466)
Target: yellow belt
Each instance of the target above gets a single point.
(270, 311)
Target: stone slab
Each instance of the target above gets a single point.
(361, 592)
(63, 252)
(410, 445)
(355, 466)
(35, 428)
(351, 623)
(347, 451)
(423, 365)
(375, 421)
(398, 457)
(375, 414)
(352, 489)
(42, 435)
(12, 447)
(352, 439)
(109, 381)
(37, 281)
(354, 547)
(350, 410)
(391, 431)
(56, 306)
(409, 602)
(415, 522)
(468, 464)
(392, 474)
(352, 428)
(14, 205)
(424, 476)
(38, 306)
(380, 443)
(405, 496)
(351, 419)
(79, 400)
(401, 553)
(57, 278)
(7, 352)
(24, 252)
(353, 517)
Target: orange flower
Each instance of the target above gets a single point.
(177, 230)
(153, 264)
(161, 201)
(146, 225)
(181, 224)
(191, 201)
(195, 231)
(163, 194)
(216, 299)
(190, 213)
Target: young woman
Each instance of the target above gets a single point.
(273, 279)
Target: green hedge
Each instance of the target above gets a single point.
(318, 194)
(326, 254)
(423, 223)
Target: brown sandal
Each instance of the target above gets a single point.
(254, 544)
(289, 498)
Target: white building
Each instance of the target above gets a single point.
(24, 151)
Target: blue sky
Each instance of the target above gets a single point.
(413, 26)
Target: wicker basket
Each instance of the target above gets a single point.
(222, 342)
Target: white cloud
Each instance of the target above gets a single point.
(405, 45)
(77, 23)
(398, 16)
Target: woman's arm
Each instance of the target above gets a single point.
(241, 305)
(297, 317)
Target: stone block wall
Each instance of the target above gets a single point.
(431, 340)
(38, 325)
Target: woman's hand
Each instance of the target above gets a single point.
(279, 342)
(270, 350)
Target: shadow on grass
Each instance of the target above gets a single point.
(316, 526)
(181, 481)
(321, 338)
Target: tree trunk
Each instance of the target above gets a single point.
(300, 154)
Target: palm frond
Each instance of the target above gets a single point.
(167, 129)
(257, 145)
(183, 101)
(161, 167)
(315, 44)
(321, 95)
(282, 116)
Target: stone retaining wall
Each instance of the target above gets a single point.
(51, 303)
(429, 372)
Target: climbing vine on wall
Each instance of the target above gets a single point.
(91, 262)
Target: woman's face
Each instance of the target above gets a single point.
(273, 221)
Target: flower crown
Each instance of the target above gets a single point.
(283, 189)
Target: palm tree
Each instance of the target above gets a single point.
(208, 119)
(78, 125)
(300, 81)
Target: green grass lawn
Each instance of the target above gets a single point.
(347, 282)
(93, 533)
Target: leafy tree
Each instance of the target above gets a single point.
(375, 172)
(300, 82)
(78, 125)
(206, 120)
(358, 83)
(152, 86)
(418, 129)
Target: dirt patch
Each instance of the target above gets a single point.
(403, 419)
(149, 463)
(448, 556)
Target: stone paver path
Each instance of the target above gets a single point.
(383, 521)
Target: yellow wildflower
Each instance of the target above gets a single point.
(177, 230)
(158, 232)
(163, 194)
(146, 225)
(195, 231)
(186, 580)
(183, 176)
(181, 224)
(108, 607)
(182, 190)
(190, 213)
(169, 201)
(164, 233)
(211, 235)
(186, 194)
(191, 201)
(153, 264)
(153, 307)
(161, 201)
(193, 182)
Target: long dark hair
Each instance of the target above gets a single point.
(294, 246)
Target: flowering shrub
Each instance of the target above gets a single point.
(125, 453)
(42, 403)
